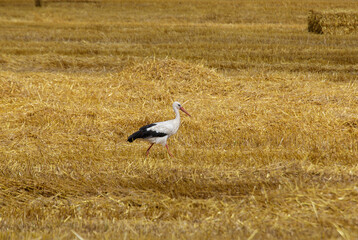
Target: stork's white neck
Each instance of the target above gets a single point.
(174, 123)
(177, 114)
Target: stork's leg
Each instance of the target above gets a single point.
(166, 145)
(149, 149)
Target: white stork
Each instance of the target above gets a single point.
(159, 132)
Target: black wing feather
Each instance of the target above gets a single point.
(147, 126)
(145, 133)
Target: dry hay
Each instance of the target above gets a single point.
(175, 77)
(251, 155)
(172, 70)
(333, 22)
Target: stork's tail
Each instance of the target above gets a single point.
(134, 136)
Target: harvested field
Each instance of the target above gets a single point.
(270, 152)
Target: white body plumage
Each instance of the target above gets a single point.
(158, 133)
(169, 127)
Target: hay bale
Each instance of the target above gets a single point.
(40, 3)
(333, 22)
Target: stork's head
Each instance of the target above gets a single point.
(177, 105)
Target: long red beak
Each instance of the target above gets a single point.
(185, 111)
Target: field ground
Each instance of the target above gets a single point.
(271, 151)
